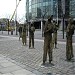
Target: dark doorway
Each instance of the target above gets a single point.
(37, 25)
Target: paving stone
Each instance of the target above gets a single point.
(7, 74)
(32, 74)
(49, 73)
(29, 68)
(7, 64)
(9, 69)
(1, 58)
(3, 61)
(1, 66)
(57, 74)
(32, 58)
(37, 73)
(22, 72)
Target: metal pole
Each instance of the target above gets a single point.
(27, 27)
(2, 28)
(8, 26)
(42, 26)
(42, 29)
(63, 11)
(57, 12)
(16, 19)
(63, 26)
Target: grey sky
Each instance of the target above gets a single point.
(7, 8)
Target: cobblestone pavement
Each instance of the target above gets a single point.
(38, 35)
(31, 59)
(9, 67)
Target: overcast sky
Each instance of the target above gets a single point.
(7, 8)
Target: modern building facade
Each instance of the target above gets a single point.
(72, 8)
(36, 10)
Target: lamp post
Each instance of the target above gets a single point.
(63, 11)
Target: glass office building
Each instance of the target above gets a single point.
(72, 8)
(38, 9)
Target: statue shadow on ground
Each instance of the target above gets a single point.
(31, 48)
(25, 45)
(49, 74)
(47, 65)
(72, 60)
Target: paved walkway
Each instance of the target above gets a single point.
(38, 35)
(8, 67)
(28, 61)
